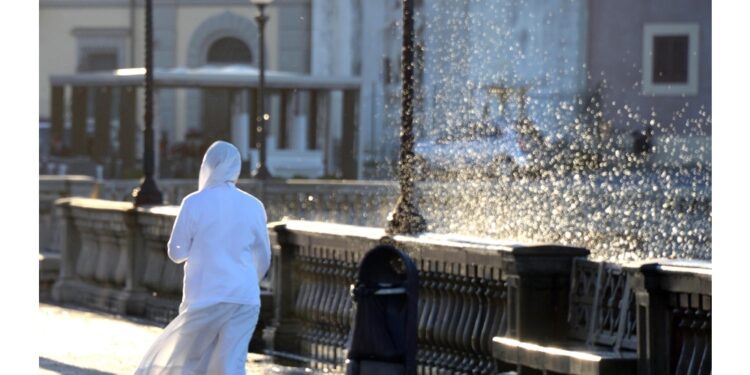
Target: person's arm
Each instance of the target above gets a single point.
(178, 247)
(262, 253)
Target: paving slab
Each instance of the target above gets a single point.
(76, 341)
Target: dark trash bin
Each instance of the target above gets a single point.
(383, 337)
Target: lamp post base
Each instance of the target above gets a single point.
(147, 193)
(261, 173)
(405, 219)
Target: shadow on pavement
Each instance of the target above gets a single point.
(67, 369)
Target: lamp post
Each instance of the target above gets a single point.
(405, 219)
(148, 192)
(261, 171)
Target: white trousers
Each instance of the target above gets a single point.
(209, 340)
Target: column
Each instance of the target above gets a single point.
(127, 127)
(102, 117)
(79, 137)
(240, 122)
(283, 141)
(312, 122)
(348, 136)
(58, 121)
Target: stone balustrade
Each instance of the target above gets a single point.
(114, 258)
(473, 291)
(464, 292)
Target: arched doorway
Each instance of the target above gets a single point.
(216, 117)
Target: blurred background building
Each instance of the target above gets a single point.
(633, 75)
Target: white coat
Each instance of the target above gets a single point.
(220, 233)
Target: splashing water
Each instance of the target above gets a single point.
(523, 134)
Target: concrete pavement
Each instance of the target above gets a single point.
(74, 341)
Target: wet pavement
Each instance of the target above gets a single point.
(75, 341)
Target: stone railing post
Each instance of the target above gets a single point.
(282, 334)
(70, 244)
(538, 278)
(673, 312)
(133, 297)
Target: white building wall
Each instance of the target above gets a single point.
(58, 52)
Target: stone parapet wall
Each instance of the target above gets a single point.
(470, 291)
(51, 188)
(655, 314)
(113, 257)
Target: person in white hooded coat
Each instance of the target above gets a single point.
(220, 235)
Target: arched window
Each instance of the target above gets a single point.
(229, 50)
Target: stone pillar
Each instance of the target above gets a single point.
(663, 291)
(102, 118)
(70, 245)
(538, 280)
(79, 141)
(285, 97)
(58, 121)
(133, 297)
(240, 123)
(127, 127)
(312, 124)
(349, 134)
(298, 139)
(282, 335)
(651, 316)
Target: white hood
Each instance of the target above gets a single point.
(221, 163)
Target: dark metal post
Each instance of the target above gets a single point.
(405, 219)
(262, 171)
(148, 192)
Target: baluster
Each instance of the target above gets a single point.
(334, 322)
(305, 292)
(705, 332)
(456, 330)
(427, 293)
(471, 355)
(696, 329)
(304, 288)
(315, 296)
(451, 315)
(323, 302)
(424, 309)
(303, 297)
(684, 324)
(436, 312)
(336, 300)
(482, 313)
(335, 307)
(344, 309)
(336, 310)
(443, 312)
(496, 322)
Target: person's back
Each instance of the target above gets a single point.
(226, 247)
